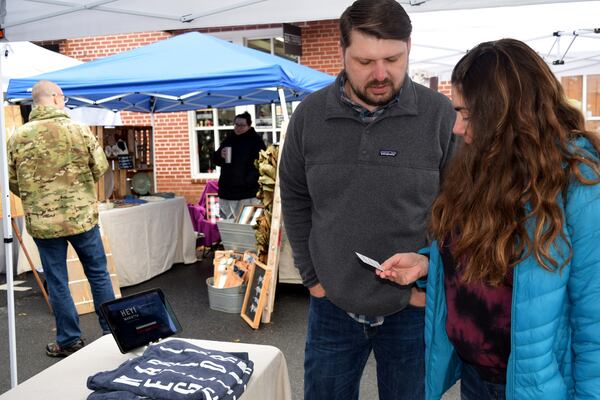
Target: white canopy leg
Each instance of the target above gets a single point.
(153, 156)
(286, 116)
(8, 238)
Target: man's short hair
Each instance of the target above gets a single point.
(383, 19)
(42, 90)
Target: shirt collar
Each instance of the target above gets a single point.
(405, 106)
(361, 110)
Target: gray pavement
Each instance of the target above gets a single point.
(185, 287)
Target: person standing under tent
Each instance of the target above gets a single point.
(54, 164)
(238, 182)
(361, 165)
(513, 276)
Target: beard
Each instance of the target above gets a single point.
(375, 100)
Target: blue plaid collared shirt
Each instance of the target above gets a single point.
(366, 117)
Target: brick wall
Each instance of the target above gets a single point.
(90, 48)
(320, 46)
(444, 88)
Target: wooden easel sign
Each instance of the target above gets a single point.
(256, 293)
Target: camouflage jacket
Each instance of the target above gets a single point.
(54, 164)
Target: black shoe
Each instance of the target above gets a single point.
(56, 350)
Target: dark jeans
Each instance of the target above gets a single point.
(53, 253)
(337, 349)
(472, 387)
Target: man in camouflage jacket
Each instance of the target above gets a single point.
(54, 164)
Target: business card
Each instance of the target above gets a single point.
(369, 261)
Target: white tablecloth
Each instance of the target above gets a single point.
(66, 380)
(145, 240)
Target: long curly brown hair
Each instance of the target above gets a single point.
(512, 178)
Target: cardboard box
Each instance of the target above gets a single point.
(78, 283)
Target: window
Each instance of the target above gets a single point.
(583, 92)
(209, 127)
(573, 87)
(593, 96)
(272, 45)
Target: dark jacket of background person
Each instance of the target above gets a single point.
(352, 187)
(54, 164)
(239, 179)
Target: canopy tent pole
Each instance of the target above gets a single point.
(8, 239)
(153, 151)
(286, 116)
(276, 218)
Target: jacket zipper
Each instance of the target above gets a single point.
(437, 294)
(511, 367)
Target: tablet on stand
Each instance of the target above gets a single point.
(139, 319)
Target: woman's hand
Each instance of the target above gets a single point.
(404, 268)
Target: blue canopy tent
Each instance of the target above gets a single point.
(186, 72)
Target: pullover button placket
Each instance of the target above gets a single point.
(363, 154)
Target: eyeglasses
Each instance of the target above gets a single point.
(65, 98)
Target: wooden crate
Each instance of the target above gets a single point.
(78, 283)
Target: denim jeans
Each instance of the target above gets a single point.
(337, 349)
(472, 387)
(53, 253)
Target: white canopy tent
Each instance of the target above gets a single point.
(443, 29)
(54, 19)
(568, 33)
(60, 19)
(23, 59)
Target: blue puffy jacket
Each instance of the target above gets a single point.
(555, 335)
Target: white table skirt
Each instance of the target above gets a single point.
(145, 240)
(66, 380)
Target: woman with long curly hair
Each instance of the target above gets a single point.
(513, 271)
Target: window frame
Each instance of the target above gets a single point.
(588, 114)
(240, 38)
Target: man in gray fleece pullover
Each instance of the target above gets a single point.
(361, 165)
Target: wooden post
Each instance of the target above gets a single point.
(274, 235)
(99, 132)
(17, 233)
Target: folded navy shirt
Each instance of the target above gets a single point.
(175, 369)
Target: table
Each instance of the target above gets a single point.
(145, 240)
(66, 380)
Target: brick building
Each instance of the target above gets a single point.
(179, 137)
(183, 140)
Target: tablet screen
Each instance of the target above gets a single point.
(139, 319)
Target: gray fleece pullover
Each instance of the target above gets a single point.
(352, 187)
